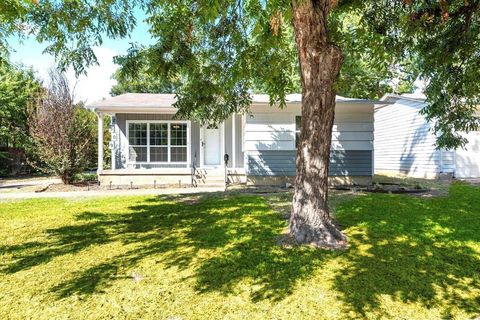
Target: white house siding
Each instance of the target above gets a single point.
(269, 141)
(404, 143)
(229, 144)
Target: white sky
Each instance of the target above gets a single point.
(96, 84)
(93, 86)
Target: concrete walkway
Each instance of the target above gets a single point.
(105, 193)
(15, 183)
(472, 180)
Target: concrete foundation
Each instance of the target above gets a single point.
(282, 180)
(416, 175)
(182, 177)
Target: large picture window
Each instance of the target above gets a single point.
(158, 142)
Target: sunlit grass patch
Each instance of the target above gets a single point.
(217, 256)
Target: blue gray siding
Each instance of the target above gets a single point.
(282, 163)
(270, 141)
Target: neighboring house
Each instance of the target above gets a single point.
(149, 145)
(405, 143)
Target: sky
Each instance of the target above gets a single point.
(96, 84)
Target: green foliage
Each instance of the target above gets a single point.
(18, 86)
(219, 51)
(368, 71)
(445, 43)
(85, 177)
(69, 28)
(217, 256)
(4, 157)
(141, 82)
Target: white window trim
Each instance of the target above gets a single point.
(148, 122)
(295, 115)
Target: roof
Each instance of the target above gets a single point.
(391, 98)
(297, 98)
(148, 101)
(418, 97)
(407, 96)
(128, 100)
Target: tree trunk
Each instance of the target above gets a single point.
(320, 61)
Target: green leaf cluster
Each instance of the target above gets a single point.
(18, 87)
(445, 45)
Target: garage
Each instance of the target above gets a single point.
(467, 160)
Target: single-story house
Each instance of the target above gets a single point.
(150, 146)
(405, 144)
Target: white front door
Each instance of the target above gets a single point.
(212, 146)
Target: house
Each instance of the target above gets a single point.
(149, 146)
(405, 144)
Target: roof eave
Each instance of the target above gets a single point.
(398, 97)
(123, 109)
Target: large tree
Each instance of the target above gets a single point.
(221, 49)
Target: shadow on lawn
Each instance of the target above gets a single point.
(412, 249)
(242, 231)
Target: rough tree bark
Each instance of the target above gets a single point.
(320, 62)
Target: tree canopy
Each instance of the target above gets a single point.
(224, 49)
(69, 28)
(141, 82)
(443, 40)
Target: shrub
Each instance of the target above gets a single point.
(63, 134)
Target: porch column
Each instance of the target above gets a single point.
(234, 145)
(100, 142)
(114, 143)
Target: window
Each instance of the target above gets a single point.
(178, 142)
(298, 127)
(158, 142)
(137, 139)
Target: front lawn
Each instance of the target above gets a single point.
(215, 257)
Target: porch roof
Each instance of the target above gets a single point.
(154, 102)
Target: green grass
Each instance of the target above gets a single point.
(215, 257)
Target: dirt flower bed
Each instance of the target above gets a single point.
(94, 186)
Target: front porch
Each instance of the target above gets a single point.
(149, 145)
